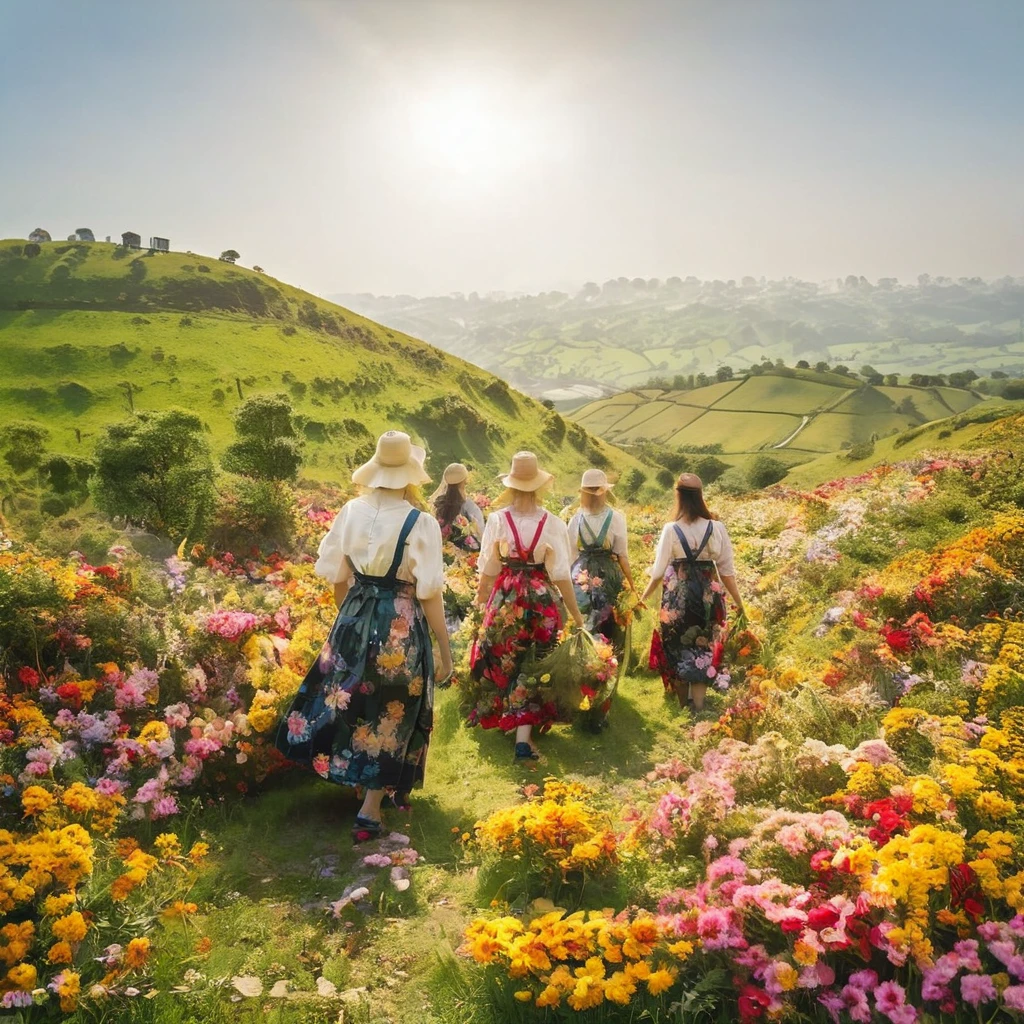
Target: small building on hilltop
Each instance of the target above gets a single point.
(130, 240)
(160, 244)
(40, 235)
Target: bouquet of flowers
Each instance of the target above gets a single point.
(581, 670)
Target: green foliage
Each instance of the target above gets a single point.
(22, 443)
(266, 447)
(155, 469)
(254, 513)
(861, 451)
(633, 481)
(765, 471)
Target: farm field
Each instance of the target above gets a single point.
(756, 413)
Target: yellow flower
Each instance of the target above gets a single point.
(662, 980)
(60, 953)
(804, 954)
(54, 906)
(154, 731)
(198, 852)
(80, 798)
(137, 953)
(549, 997)
(619, 988)
(68, 991)
(35, 800)
(23, 977)
(787, 977)
(524, 995)
(168, 844)
(71, 928)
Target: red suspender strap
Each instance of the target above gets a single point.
(536, 537)
(515, 534)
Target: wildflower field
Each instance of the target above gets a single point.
(840, 837)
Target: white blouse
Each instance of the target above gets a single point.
(616, 539)
(498, 542)
(718, 548)
(366, 531)
(471, 510)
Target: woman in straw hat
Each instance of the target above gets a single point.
(524, 566)
(597, 536)
(694, 566)
(364, 712)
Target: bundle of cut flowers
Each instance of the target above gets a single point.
(581, 670)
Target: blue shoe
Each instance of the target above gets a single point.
(364, 829)
(524, 752)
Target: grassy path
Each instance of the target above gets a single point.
(282, 857)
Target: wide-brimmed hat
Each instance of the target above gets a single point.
(396, 463)
(525, 473)
(455, 474)
(595, 480)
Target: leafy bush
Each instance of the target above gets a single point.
(266, 447)
(22, 443)
(863, 450)
(254, 514)
(765, 471)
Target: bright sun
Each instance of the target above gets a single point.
(471, 129)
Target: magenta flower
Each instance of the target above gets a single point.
(977, 989)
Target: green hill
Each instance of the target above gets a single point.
(91, 331)
(801, 413)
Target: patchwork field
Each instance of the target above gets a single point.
(802, 411)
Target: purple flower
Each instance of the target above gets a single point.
(977, 989)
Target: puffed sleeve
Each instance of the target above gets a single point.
(663, 555)
(724, 559)
(426, 561)
(619, 538)
(331, 562)
(556, 558)
(489, 562)
(474, 515)
(574, 531)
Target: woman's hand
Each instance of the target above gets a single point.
(445, 671)
(578, 619)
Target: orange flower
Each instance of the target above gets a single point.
(137, 953)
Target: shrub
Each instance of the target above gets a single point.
(862, 450)
(765, 471)
(22, 442)
(156, 469)
(266, 447)
(254, 513)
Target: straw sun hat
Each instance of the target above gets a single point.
(595, 480)
(397, 463)
(455, 474)
(526, 474)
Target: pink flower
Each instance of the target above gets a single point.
(298, 727)
(1013, 997)
(889, 998)
(165, 807)
(977, 989)
(322, 765)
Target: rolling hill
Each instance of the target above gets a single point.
(624, 332)
(91, 331)
(801, 413)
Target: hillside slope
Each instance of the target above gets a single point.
(802, 412)
(90, 331)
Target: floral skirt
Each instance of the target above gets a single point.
(364, 712)
(687, 645)
(460, 586)
(597, 579)
(522, 618)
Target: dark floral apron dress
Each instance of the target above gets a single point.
(461, 550)
(522, 616)
(364, 712)
(598, 579)
(687, 647)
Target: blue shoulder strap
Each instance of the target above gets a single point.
(596, 539)
(691, 556)
(410, 522)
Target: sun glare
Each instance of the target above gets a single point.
(471, 129)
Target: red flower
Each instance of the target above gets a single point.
(753, 1002)
(822, 917)
(70, 692)
(109, 571)
(900, 641)
(28, 677)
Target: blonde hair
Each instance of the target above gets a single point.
(592, 500)
(411, 493)
(512, 496)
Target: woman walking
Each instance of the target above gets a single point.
(524, 567)
(462, 526)
(598, 539)
(364, 712)
(694, 566)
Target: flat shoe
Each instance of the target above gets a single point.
(364, 829)
(524, 752)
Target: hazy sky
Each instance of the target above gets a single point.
(427, 147)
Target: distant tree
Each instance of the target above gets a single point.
(749, 282)
(923, 280)
(724, 373)
(821, 366)
(1014, 389)
(31, 249)
(591, 290)
(709, 468)
(802, 364)
(703, 380)
(907, 407)
(266, 447)
(155, 469)
(999, 375)
(892, 380)
(888, 284)
(756, 370)
(638, 283)
(22, 442)
(962, 378)
(258, 270)
(852, 281)
(867, 370)
(631, 484)
(843, 371)
(547, 403)
(230, 255)
(679, 383)
(674, 283)
(765, 471)
(654, 284)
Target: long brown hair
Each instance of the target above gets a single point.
(448, 504)
(690, 502)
